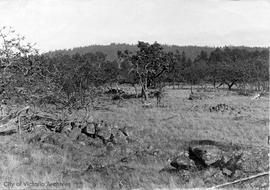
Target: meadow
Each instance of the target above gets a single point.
(42, 158)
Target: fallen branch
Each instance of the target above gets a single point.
(24, 109)
(11, 116)
(47, 116)
(165, 119)
(241, 180)
(8, 126)
(6, 133)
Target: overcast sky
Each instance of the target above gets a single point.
(57, 24)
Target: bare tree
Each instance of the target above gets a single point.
(17, 58)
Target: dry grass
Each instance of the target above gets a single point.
(157, 134)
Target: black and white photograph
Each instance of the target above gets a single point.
(134, 94)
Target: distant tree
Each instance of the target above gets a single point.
(170, 73)
(257, 68)
(173, 69)
(125, 76)
(187, 72)
(236, 66)
(200, 68)
(125, 66)
(203, 56)
(89, 72)
(110, 71)
(215, 60)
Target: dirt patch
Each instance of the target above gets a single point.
(198, 96)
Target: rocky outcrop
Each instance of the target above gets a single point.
(104, 132)
(201, 157)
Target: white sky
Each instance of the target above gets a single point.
(57, 24)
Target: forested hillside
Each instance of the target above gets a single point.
(111, 50)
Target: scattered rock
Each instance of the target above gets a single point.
(90, 128)
(105, 131)
(227, 172)
(233, 164)
(120, 138)
(219, 108)
(114, 91)
(182, 162)
(225, 108)
(74, 133)
(147, 105)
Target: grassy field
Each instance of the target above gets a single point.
(43, 158)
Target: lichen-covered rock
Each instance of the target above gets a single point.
(226, 172)
(90, 128)
(211, 154)
(182, 161)
(105, 131)
(205, 155)
(120, 138)
(74, 134)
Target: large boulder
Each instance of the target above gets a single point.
(205, 154)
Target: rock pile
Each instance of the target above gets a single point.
(201, 157)
(102, 131)
(114, 91)
(221, 108)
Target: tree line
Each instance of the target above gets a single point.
(111, 49)
(150, 66)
